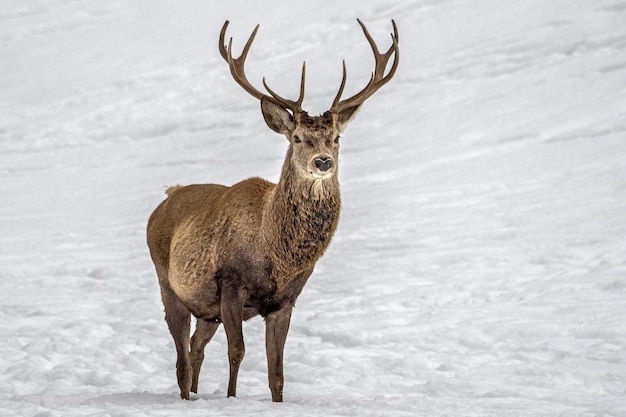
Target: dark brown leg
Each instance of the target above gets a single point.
(276, 328)
(203, 334)
(232, 317)
(178, 321)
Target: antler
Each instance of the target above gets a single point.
(239, 74)
(378, 78)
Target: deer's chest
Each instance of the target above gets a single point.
(266, 290)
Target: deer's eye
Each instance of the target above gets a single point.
(297, 139)
(337, 139)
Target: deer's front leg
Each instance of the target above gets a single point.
(232, 317)
(276, 328)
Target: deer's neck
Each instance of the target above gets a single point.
(300, 218)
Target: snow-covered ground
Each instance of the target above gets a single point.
(480, 264)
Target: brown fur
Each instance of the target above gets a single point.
(226, 254)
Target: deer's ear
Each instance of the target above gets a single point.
(345, 116)
(277, 117)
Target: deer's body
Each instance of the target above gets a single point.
(226, 254)
(207, 236)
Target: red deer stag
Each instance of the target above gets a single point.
(226, 254)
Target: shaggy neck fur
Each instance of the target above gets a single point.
(300, 218)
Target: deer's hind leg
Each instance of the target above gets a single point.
(203, 335)
(178, 319)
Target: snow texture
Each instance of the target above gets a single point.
(479, 268)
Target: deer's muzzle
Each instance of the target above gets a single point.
(323, 164)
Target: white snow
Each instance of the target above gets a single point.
(480, 264)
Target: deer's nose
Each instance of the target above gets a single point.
(323, 164)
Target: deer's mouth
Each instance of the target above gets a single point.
(320, 175)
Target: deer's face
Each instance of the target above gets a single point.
(315, 143)
(314, 140)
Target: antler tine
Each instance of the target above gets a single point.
(343, 84)
(378, 78)
(237, 65)
(294, 106)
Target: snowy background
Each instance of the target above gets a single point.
(480, 264)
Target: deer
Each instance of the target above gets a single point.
(225, 254)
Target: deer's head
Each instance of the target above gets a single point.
(314, 140)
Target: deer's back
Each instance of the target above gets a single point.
(181, 204)
(199, 210)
